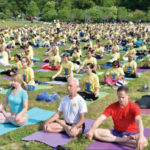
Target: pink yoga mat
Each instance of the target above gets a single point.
(145, 111)
(111, 146)
(54, 139)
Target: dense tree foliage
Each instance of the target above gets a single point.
(77, 10)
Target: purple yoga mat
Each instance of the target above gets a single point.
(111, 146)
(142, 70)
(42, 70)
(42, 63)
(54, 139)
(7, 77)
(145, 111)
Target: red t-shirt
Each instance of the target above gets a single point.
(123, 118)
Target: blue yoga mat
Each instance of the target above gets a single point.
(35, 115)
(1, 70)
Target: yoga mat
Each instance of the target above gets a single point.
(54, 139)
(142, 70)
(37, 87)
(3, 91)
(42, 87)
(35, 115)
(77, 75)
(1, 70)
(139, 74)
(99, 73)
(106, 87)
(112, 146)
(102, 94)
(145, 111)
(42, 70)
(7, 77)
(55, 83)
(36, 59)
(42, 63)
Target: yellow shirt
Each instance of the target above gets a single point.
(115, 73)
(130, 67)
(99, 51)
(28, 74)
(76, 57)
(31, 51)
(67, 69)
(55, 60)
(130, 52)
(90, 83)
(92, 60)
(114, 56)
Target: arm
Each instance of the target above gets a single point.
(81, 121)
(5, 102)
(53, 118)
(53, 77)
(96, 124)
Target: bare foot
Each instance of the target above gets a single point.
(126, 138)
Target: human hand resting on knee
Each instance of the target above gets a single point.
(90, 134)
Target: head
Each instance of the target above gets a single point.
(115, 64)
(90, 68)
(17, 80)
(25, 62)
(123, 95)
(27, 51)
(90, 54)
(131, 57)
(17, 57)
(114, 50)
(73, 86)
(66, 57)
(75, 50)
(55, 52)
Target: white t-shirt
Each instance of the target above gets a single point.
(72, 108)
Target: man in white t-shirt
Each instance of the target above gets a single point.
(73, 108)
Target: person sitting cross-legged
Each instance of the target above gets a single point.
(128, 127)
(73, 108)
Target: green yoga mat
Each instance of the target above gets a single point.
(38, 87)
(77, 75)
(99, 73)
(102, 94)
(106, 87)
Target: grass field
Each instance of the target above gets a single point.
(12, 140)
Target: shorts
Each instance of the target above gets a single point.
(83, 126)
(121, 134)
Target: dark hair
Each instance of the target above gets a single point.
(91, 67)
(116, 63)
(123, 88)
(90, 51)
(18, 56)
(66, 55)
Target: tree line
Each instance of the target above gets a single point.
(77, 10)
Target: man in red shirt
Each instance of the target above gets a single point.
(128, 126)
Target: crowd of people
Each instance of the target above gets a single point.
(85, 47)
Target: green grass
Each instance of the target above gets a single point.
(12, 140)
